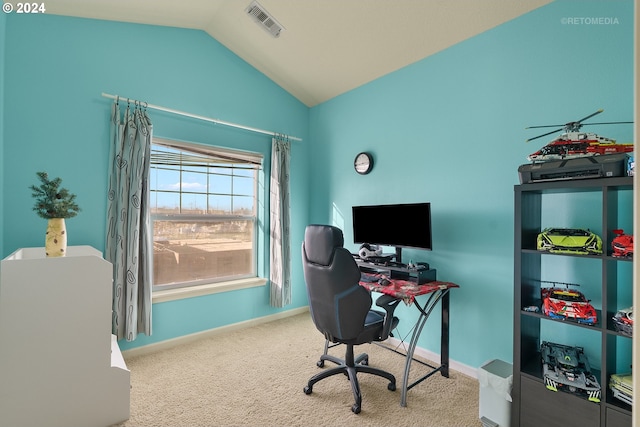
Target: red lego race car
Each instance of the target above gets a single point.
(622, 244)
(562, 304)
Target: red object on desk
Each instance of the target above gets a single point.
(405, 290)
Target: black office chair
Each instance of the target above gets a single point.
(340, 307)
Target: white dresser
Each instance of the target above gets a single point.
(59, 363)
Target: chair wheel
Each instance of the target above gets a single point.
(320, 363)
(391, 387)
(356, 408)
(365, 362)
(307, 389)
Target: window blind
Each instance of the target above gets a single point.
(197, 155)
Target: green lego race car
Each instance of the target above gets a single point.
(569, 240)
(621, 386)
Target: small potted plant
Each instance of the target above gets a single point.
(54, 204)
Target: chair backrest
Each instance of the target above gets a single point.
(338, 304)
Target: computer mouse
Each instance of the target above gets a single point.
(384, 281)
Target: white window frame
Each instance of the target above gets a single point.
(203, 287)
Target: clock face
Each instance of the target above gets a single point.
(363, 163)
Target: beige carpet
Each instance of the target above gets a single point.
(255, 377)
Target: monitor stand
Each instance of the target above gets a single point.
(412, 266)
(398, 255)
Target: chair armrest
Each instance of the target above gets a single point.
(389, 304)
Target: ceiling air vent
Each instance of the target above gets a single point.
(264, 18)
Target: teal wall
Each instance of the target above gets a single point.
(3, 21)
(450, 129)
(56, 120)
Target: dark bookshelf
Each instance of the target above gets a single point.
(533, 404)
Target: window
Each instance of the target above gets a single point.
(203, 204)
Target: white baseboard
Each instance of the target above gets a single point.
(164, 345)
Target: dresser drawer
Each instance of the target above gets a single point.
(542, 407)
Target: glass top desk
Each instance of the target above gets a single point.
(407, 291)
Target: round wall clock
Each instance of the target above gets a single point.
(363, 163)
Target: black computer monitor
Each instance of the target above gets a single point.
(405, 225)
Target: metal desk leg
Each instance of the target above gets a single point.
(407, 365)
(444, 355)
(444, 337)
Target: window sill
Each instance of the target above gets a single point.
(211, 288)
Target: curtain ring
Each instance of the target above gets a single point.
(118, 100)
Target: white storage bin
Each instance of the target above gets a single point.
(496, 379)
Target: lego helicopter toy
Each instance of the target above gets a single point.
(573, 143)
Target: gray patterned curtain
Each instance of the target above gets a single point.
(280, 270)
(128, 245)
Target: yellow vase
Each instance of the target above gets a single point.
(56, 240)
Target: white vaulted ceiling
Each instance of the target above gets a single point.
(327, 47)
